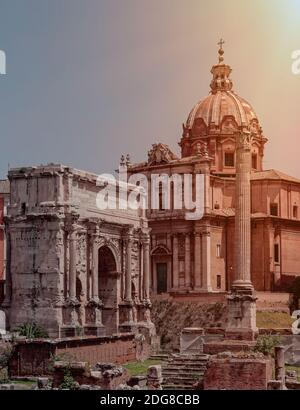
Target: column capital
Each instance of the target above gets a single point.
(146, 241)
(128, 239)
(73, 235)
(243, 139)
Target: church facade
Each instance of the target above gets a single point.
(198, 256)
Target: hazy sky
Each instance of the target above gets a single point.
(88, 80)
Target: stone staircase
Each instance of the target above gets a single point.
(182, 371)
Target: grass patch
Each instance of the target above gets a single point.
(140, 368)
(29, 383)
(296, 368)
(273, 320)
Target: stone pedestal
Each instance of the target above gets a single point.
(241, 316)
(71, 326)
(126, 313)
(94, 326)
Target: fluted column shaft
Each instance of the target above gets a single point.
(146, 269)
(243, 212)
(128, 292)
(95, 274)
(72, 264)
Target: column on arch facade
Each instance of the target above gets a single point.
(128, 285)
(146, 267)
(72, 263)
(95, 262)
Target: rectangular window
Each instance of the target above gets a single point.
(274, 209)
(295, 211)
(229, 159)
(254, 161)
(218, 251)
(219, 282)
(276, 253)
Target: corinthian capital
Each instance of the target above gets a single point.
(243, 139)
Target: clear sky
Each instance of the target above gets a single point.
(88, 80)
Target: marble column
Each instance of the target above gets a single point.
(93, 325)
(175, 263)
(187, 261)
(197, 261)
(241, 323)
(243, 212)
(146, 268)
(95, 274)
(206, 260)
(128, 292)
(72, 265)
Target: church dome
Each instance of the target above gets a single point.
(218, 106)
(215, 120)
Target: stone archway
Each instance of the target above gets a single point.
(108, 287)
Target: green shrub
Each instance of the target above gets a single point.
(32, 331)
(4, 376)
(69, 382)
(5, 354)
(266, 343)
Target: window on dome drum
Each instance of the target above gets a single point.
(276, 253)
(295, 211)
(219, 282)
(229, 159)
(254, 161)
(218, 251)
(274, 209)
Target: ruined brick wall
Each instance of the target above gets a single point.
(109, 349)
(234, 346)
(35, 358)
(238, 374)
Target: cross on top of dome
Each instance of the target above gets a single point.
(221, 72)
(221, 51)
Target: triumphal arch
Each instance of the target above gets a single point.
(73, 268)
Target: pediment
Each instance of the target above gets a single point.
(160, 154)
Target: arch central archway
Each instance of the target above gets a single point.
(108, 287)
(107, 262)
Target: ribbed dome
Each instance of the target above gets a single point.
(215, 121)
(220, 104)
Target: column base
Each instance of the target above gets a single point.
(241, 304)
